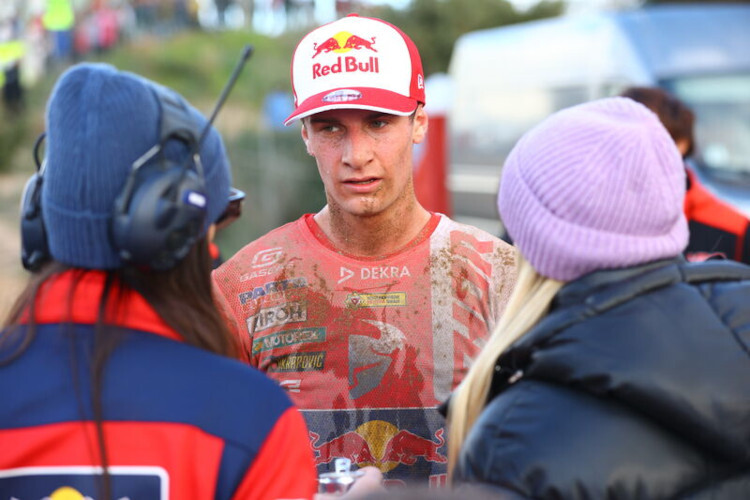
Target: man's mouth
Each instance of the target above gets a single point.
(361, 181)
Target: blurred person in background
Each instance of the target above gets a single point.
(12, 50)
(369, 311)
(115, 364)
(716, 229)
(221, 11)
(59, 21)
(618, 370)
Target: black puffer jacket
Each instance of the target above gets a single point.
(636, 385)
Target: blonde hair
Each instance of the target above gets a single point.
(528, 303)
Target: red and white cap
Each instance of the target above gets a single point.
(356, 63)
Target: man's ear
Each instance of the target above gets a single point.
(420, 124)
(305, 137)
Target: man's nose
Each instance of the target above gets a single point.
(358, 148)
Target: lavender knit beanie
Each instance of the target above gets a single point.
(595, 186)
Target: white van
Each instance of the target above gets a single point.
(508, 79)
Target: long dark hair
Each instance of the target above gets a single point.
(181, 296)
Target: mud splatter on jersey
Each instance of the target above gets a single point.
(369, 347)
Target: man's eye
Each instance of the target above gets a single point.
(378, 123)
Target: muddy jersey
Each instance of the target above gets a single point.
(368, 347)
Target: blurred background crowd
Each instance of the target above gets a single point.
(192, 46)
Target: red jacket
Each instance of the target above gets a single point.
(179, 422)
(715, 227)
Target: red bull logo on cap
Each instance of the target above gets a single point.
(341, 43)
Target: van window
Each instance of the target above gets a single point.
(722, 130)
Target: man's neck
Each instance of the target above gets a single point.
(372, 236)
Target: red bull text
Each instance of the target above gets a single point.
(341, 43)
(349, 64)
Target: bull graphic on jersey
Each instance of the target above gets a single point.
(369, 357)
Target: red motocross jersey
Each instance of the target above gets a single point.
(368, 347)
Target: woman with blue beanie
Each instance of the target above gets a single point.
(619, 370)
(115, 369)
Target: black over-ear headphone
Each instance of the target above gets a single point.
(162, 209)
(158, 215)
(34, 249)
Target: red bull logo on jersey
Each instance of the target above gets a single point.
(349, 445)
(380, 444)
(405, 447)
(406, 444)
(341, 43)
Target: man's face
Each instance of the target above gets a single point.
(365, 158)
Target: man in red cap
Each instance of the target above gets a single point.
(370, 311)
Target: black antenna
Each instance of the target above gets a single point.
(247, 51)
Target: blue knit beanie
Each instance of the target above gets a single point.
(99, 121)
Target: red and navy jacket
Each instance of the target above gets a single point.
(716, 229)
(179, 422)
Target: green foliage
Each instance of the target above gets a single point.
(434, 25)
(13, 130)
(19, 130)
(198, 63)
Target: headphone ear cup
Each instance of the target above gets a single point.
(34, 247)
(159, 217)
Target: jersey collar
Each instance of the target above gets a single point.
(127, 309)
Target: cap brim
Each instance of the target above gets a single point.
(355, 98)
